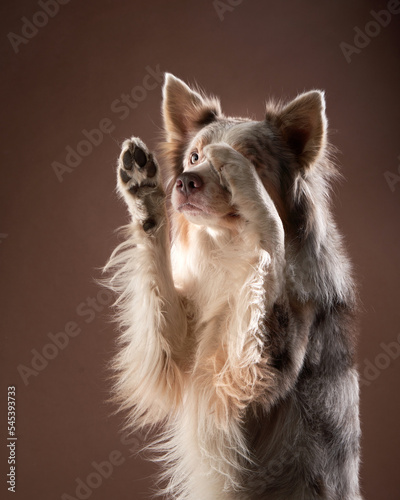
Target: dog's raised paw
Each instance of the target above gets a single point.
(137, 169)
(230, 165)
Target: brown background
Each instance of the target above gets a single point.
(64, 80)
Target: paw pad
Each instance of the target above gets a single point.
(127, 160)
(140, 157)
(124, 176)
(136, 166)
(139, 160)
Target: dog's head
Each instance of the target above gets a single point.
(285, 148)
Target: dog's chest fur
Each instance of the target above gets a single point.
(211, 270)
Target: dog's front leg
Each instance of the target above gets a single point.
(150, 309)
(272, 334)
(263, 225)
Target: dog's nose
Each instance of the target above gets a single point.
(188, 182)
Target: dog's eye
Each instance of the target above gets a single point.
(194, 157)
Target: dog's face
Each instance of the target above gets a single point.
(197, 192)
(282, 147)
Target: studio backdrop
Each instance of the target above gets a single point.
(80, 77)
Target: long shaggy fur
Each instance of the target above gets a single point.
(236, 305)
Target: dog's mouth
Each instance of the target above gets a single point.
(207, 204)
(191, 208)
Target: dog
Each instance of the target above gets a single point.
(236, 304)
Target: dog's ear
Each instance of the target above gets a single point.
(184, 110)
(303, 125)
